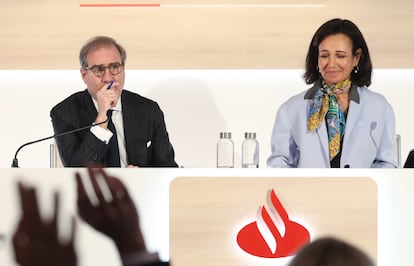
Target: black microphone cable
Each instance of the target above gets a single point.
(15, 162)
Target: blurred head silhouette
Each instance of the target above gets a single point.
(328, 251)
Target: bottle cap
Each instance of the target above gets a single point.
(250, 135)
(225, 135)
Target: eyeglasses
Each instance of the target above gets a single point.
(99, 70)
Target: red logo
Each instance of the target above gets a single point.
(273, 235)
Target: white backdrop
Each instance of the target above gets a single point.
(197, 104)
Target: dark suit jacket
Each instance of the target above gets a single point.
(143, 123)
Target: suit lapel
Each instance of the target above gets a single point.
(127, 115)
(89, 113)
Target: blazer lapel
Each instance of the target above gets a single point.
(353, 114)
(320, 141)
(323, 142)
(354, 111)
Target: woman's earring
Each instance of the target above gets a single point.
(356, 69)
(317, 69)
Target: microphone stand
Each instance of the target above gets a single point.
(15, 163)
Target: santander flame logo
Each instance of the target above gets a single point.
(273, 235)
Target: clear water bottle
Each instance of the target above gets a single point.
(225, 151)
(250, 151)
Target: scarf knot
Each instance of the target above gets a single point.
(325, 105)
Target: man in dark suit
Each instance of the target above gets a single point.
(139, 137)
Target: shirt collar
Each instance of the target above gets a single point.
(353, 94)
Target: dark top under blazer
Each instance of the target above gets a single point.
(143, 125)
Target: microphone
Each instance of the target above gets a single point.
(15, 162)
(409, 162)
(373, 126)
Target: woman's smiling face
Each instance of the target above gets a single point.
(336, 60)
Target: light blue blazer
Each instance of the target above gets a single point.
(369, 139)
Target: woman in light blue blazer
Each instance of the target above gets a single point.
(338, 122)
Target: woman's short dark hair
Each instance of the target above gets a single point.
(329, 251)
(97, 42)
(339, 26)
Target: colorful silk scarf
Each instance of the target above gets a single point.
(326, 105)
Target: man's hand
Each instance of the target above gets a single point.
(117, 218)
(35, 241)
(106, 98)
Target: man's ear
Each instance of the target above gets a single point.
(83, 73)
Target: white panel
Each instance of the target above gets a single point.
(197, 104)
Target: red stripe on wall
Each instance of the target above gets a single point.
(120, 5)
